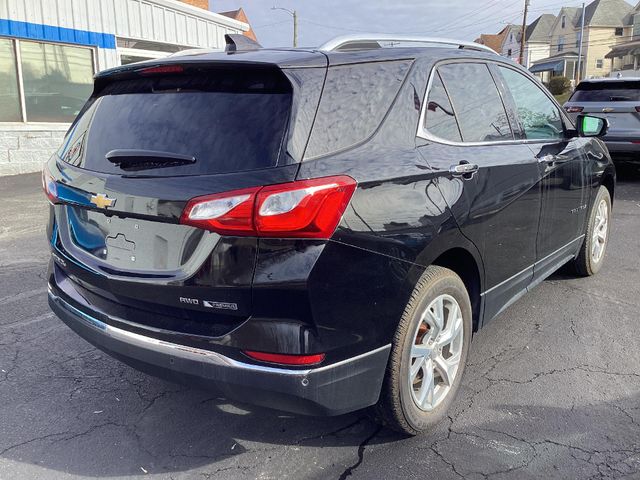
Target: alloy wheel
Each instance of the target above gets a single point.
(436, 352)
(600, 231)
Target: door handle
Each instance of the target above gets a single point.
(552, 160)
(464, 169)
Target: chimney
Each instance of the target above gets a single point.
(198, 3)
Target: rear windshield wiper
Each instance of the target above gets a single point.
(134, 160)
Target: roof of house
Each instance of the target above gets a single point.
(493, 41)
(572, 13)
(242, 17)
(540, 29)
(606, 13)
(558, 56)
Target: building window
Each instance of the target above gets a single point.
(564, 21)
(56, 81)
(9, 94)
(619, 32)
(509, 52)
(578, 39)
(600, 63)
(560, 44)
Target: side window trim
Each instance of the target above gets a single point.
(508, 102)
(424, 134)
(453, 108)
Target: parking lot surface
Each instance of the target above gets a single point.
(552, 389)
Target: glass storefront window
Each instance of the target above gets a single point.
(58, 79)
(9, 94)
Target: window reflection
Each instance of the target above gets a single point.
(57, 79)
(441, 120)
(9, 96)
(540, 118)
(476, 102)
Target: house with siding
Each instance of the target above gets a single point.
(624, 57)
(538, 39)
(606, 24)
(511, 42)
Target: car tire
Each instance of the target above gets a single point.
(412, 399)
(591, 256)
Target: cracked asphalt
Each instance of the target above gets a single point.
(552, 389)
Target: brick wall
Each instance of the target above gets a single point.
(24, 151)
(198, 3)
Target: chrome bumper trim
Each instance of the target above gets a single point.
(192, 353)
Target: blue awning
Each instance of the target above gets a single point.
(555, 66)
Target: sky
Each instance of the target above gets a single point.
(320, 20)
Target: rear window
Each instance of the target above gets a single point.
(224, 121)
(607, 92)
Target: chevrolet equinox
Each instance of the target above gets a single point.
(318, 230)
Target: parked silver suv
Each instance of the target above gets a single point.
(617, 99)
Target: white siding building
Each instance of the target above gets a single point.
(50, 50)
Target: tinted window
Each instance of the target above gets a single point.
(354, 101)
(441, 119)
(228, 122)
(623, 91)
(539, 116)
(476, 101)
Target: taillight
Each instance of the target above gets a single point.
(49, 185)
(301, 209)
(162, 69)
(574, 109)
(229, 213)
(306, 208)
(286, 359)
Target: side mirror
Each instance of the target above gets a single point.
(589, 126)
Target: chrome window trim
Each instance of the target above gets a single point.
(423, 133)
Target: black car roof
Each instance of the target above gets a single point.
(306, 57)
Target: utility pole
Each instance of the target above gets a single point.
(578, 75)
(294, 14)
(523, 35)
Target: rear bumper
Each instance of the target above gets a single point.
(623, 145)
(334, 389)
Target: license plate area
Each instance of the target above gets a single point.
(125, 246)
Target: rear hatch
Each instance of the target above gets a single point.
(147, 142)
(618, 101)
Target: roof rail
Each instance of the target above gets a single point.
(364, 40)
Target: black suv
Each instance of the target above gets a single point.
(318, 230)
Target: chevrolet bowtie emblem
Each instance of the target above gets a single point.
(102, 201)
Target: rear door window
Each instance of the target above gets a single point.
(224, 121)
(539, 116)
(476, 102)
(612, 91)
(440, 118)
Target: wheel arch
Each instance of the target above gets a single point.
(469, 269)
(609, 182)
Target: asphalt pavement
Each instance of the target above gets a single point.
(552, 389)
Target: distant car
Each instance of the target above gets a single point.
(617, 100)
(319, 230)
